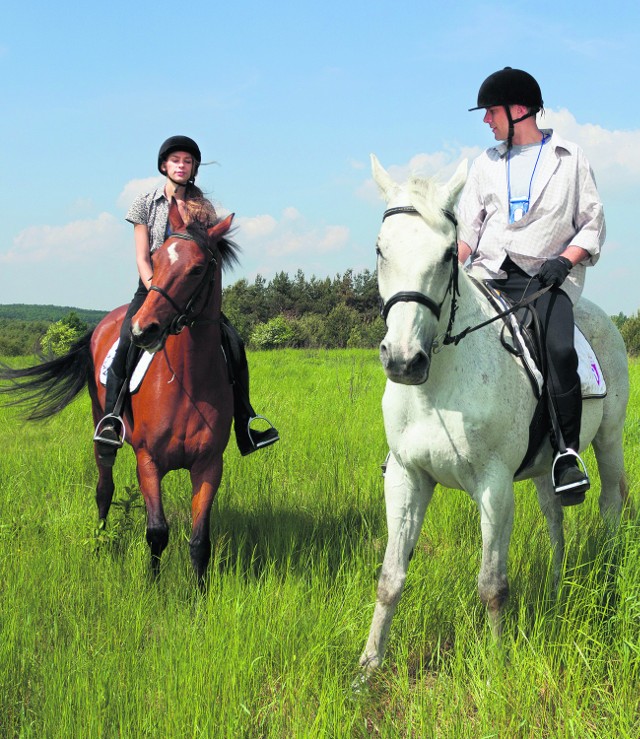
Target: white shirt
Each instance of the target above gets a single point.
(565, 209)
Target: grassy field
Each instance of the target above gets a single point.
(91, 647)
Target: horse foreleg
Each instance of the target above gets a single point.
(157, 526)
(205, 479)
(495, 502)
(552, 510)
(407, 495)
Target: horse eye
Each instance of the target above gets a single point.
(196, 271)
(378, 252)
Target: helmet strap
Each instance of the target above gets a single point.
(512, 122)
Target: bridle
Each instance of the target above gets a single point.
(411, 296)
(185, 316)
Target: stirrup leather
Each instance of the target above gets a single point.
(117, 443)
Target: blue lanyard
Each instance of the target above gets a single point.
(542, 143)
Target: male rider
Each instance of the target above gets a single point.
(530, 217)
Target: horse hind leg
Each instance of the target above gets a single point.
(608, 449)
(407, 495)
(104, 491)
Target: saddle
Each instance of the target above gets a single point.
(518, 337)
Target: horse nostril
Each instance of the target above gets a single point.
(418, 364)
(146, 335)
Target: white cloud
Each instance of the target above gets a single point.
(77, 240)
(292, 234)
(256, 227)
(134, 188)
(614, 155)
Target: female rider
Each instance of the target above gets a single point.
(178, 159)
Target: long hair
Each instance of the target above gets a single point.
(199, 208)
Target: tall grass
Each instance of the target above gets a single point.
(90, 646)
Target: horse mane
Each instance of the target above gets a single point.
(428, 197)
(227, 248)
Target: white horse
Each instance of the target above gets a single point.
(459, 416)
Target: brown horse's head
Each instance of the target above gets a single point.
(186, 280)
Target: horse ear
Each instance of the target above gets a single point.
(382, 179)
(220, 229)
(175, 219)
(456, 183)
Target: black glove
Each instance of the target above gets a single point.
(554, 271)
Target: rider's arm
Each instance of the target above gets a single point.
(143, 256)
(575, 254)
(464, 251)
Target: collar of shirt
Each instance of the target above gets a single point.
(555, 142)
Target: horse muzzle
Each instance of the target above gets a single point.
(150, 338)
(405, 367)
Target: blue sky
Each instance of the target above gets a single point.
(288, 100)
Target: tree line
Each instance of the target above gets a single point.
(300, 313)
(333, 313)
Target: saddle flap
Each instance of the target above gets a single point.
(140, 370)
(592, 380)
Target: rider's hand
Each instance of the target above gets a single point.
(554, 271)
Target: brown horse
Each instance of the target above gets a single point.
(180, 418)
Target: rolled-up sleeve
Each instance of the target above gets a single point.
(470, 210)
(589, 214)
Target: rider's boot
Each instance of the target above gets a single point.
(109, 433)
(250, 439)
(570, 478)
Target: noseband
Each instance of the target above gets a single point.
(185, 315)
(410, 296)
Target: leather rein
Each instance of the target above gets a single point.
(410, 296)
(185, 316)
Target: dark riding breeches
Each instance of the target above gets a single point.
(555, 313)
(126, 355)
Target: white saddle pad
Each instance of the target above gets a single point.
(138, 374)
(592, 381)
(591, 377)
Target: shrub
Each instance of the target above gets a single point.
(275, 334)
(61, 335)
(631, 334)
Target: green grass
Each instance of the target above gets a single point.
(90, 646)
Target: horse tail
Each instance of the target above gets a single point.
(45, 389)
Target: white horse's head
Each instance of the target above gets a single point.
(415, 248)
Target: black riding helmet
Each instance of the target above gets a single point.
(180, 143)
(507, 87)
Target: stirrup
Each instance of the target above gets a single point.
(576, 486)
(385, 464)
(97, 434)
(260, 439)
